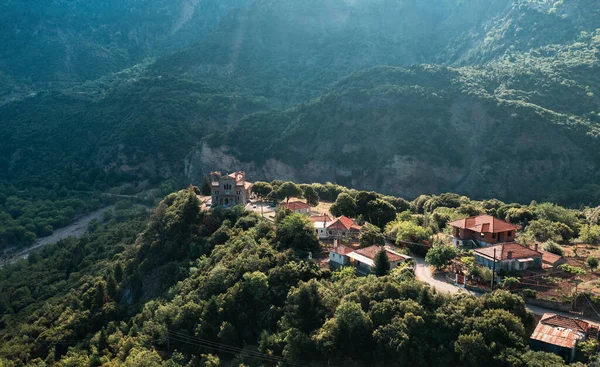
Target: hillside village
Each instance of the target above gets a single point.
(472, 253)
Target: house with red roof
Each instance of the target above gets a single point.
(482, 230)
(364, 258)
(508, 256)
(343, 227)
(297, 207)
(338, 256)
(560, 335)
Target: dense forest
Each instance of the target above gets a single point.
(187, 287)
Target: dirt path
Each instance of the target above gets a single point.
(75, 229)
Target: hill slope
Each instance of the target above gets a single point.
(58, 43)
(406, 131)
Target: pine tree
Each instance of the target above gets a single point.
(118, 272)
(206, 187)
(382, 263)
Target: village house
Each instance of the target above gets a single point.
(508, 256)
(230, 190)
(364, 259)
(297, 207)
(343, 227)
(338, 256)
(320, 222)
(560, 335)
(482, 230)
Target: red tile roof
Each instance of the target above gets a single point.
(550, 258)
(296, 205)
(344, 223)
(560, 330)
(518, 251)
(342, 250)
(372, 251)
(484, 224)
(321, 218)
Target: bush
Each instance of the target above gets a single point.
(553, 247)
(529, 293)
(592, 262)
(441, 255)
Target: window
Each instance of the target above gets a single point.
(493, 235)
(509, 234)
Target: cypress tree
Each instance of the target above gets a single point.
(382, 263)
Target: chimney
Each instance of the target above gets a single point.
(536, 247)
(509, 255)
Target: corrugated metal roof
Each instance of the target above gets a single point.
(361, 258)
(559, 336)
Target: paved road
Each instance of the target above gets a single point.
(439, 282)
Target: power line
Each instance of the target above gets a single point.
(234, 350)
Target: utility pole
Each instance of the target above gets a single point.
(494, 270)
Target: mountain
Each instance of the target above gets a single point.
(409, 130)
(58, 43)
(398, 96)
(290, 50)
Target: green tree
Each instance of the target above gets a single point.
(344, 205)
(297, 232)
(408, 231)
(592, 262)
(347, 335)
(380, 212)
(382, 263)
(206, 186)
(510, 282)
(363, 198)
(262, 189)
(441, 255)
(310, 194)
(308, 306)
(371, 235)
(289, 190)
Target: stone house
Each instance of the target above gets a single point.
(230, 190)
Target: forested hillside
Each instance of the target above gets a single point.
(479, 97)
(58, 43)
(193, 288)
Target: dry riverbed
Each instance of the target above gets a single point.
(75, 229)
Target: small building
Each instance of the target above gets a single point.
(560, 335)
(551, 261)
(364, 259)
(338, 256)
(321, 222)
(230, 190)
(297, 207)
(508, 256)
(343, 227)
(484, 230)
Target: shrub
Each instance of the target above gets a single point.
(529, 293)
(553, 247)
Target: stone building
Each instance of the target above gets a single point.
(229, 190)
